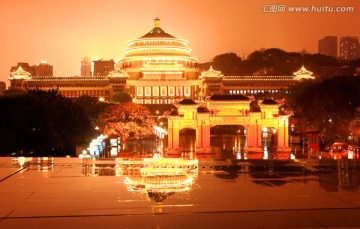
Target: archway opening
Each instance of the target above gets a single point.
(269, 142)
(187, 140)
(268, 137)
(228, 138)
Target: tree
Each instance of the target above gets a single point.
(329, 106)
(42, 122)
(14, 92)
(228, 63)
(91, 106)
(121, 98)
(127, 120)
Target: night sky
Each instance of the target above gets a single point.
(63, 31)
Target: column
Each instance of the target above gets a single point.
(176, 134)
(203, 135)
(259, 133)
(283, 133)
(170, 134)
(206, 135)
(251, 135)
(199, 135)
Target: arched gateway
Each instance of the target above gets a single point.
(229, 110)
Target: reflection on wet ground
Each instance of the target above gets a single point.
(182, 191)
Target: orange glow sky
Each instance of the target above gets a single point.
(63, 31)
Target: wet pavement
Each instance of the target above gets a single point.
(187, 192)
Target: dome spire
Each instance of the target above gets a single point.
(157, 22)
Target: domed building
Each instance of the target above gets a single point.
(158, 55)
(160, 68)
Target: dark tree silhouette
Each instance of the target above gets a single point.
(121, 98)
(42, 122)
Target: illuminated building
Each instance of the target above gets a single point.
(160, 68)
(349, 48)
(157, 69)
(229, 110)
(72, 86)
(103, 67)
(328, 46)
(86, 64)
(214, 82)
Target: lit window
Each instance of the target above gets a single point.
(139, 91)
(147, 91)
(155, 91)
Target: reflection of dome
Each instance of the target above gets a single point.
(162, 177)
(159, 196)
(175, 183)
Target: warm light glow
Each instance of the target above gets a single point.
(21, 161)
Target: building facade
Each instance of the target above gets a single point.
(43, 69)
(103, 67)
(349, 48)
(328, 46)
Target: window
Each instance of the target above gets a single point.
(148, 91)
(155, 91)
(139, 91)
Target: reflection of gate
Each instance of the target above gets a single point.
(228, 110)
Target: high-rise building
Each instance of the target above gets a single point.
(349, 48)
(43, 69)
(103, 67)
(86, 65)
(328, 46)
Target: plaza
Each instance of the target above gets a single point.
(217, 193)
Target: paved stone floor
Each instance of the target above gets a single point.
(178, 193)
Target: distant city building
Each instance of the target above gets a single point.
(2, 87)
(25, 67)
(86, 65)
(328, 46)
(349, 48)
(43, 69)
(103, 67)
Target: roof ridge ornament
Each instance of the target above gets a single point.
(303, 73)
(20, 73)
(157, 22)
(211, 73)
